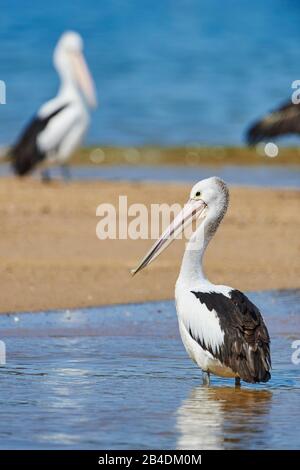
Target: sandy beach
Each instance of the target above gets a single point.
(50, 257)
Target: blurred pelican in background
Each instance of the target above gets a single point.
(60, 124)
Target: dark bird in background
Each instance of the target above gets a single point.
(282, 121)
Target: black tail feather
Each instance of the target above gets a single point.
(25, 154)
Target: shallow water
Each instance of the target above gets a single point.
(266, 176)
(119, 377)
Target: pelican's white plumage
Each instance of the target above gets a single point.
(221, 329)
(60, 124)
(205, 326)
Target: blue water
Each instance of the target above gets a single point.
(261, 176)
(118, 377)
(167, 72)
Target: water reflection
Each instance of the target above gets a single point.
(211, 413)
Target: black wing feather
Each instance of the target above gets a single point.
(282, 121)
(246, 348)
(25, 154)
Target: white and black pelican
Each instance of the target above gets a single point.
(60, 124)
(221, 329)
(284, 120)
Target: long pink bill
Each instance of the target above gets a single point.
(190, 212)
(84, 79)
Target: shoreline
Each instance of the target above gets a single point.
(134, 303)
(192, 156)
(50, 257)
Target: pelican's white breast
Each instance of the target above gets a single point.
(65, 130)
(198, 325)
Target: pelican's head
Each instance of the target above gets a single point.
(213, 192)
(69, 61)
(208, 201)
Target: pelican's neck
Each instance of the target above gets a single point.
(192, 263)
(68, 90)
(191, 271)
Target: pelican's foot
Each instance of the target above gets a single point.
(237, 382)
(45, 174)
(66, 173)
(206, 378)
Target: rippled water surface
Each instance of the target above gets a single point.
(119, 377)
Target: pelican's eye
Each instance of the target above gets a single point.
(197, 194)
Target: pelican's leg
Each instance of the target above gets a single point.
(65, 172)
(206, 378)
(45, 174)
(237, 382)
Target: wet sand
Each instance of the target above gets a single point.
(51, 258)
(190, 156)
(193, 156)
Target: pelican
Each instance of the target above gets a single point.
(60, 124)
(222, 330)
(282, 121)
